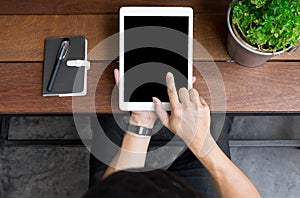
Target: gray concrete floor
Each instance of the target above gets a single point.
(44, 171)
(274, 171)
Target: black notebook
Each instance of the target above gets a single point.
(71, 79)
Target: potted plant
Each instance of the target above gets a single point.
(261, 29)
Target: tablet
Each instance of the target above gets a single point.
(153, 41)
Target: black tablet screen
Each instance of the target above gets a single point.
(145, 66)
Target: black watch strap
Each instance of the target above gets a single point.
(139, 130)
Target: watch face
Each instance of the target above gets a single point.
(139, 130)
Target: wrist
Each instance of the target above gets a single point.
(202, 147)
(135, 143)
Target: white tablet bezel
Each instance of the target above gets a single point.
(151, 11)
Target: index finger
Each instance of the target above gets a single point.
(172, 91)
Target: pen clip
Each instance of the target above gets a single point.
(63, 50)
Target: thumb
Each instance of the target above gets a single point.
(161, 112)
(117, 76)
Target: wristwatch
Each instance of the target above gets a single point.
(139, 130)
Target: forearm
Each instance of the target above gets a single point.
(228, 179)
(132, 153)
(190, 120)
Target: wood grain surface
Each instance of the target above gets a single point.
(274, 87)
(24, 26)
(102, 6)
(23, 36)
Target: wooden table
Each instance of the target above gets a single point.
(24, 25)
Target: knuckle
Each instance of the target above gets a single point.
(171, 91)
(193, 90)
(182, 89)
(198, 107)
(177, 113)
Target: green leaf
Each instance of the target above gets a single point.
(273, 24)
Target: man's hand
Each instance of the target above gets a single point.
(139, 118)
(190, 118)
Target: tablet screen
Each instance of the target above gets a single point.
(154, 62)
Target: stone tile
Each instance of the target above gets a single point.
(61, 127)
(43, 172)
(295, 127)
(265, 127)
(274, 171)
